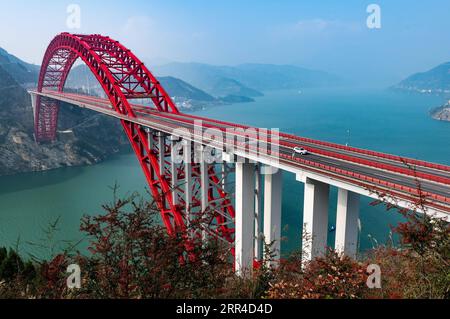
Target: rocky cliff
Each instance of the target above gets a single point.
(84, 137)
(442, 113)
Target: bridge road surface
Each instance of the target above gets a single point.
(403, 174)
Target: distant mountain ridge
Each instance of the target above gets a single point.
(24, 73)
(434, 81)
(247, 80)
(177, 87)
(85, 137)
(257, 77)
(185, 95)
(229, 87)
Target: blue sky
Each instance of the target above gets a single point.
(327, 35)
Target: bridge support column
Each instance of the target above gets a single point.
(149, 132)
(33, 103)
(272, 210)
(258, 214)
(204, 182)
(315, 219)
(187, 152)
(245, 215)
(347, 223)
(162, 151)
(224, 175)
(174, 168)
(33, 106)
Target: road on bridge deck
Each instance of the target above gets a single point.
(434, 179)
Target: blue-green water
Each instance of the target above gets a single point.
(378, 120)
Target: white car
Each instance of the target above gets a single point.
(300, 151)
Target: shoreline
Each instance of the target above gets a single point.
(441, 113)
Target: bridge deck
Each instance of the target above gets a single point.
(373, 171)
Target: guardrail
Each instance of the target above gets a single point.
(356, 160)
(342, 147)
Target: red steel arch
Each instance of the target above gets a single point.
(123, 77)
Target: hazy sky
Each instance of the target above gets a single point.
(327, 35)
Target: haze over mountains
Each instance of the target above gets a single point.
(434, 81)
(253, 77)
(195, 81)
(196, 85)
(81, 77)
(185, 96)
(85, 137)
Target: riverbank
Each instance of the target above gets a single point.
(441, 113)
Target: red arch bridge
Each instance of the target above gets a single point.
(188, 160)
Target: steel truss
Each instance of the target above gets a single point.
(176, 187)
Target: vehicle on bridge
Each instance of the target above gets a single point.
(300, 151)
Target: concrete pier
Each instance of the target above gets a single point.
(315, 218)
(272, 211)
(347, 223)
(245, 217)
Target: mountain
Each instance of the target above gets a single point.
(179, 88)
(435, 81)
(230, 98)
(13, 101)
(24, 73)
(87, 138)
(186, 96)
(260, 77)
(230, 87)
(80, 77)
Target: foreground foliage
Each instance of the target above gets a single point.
(131, 256)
